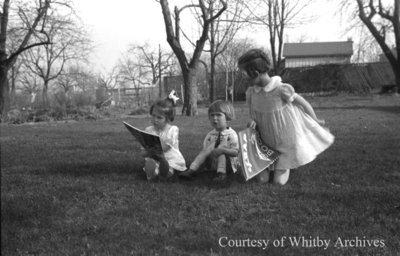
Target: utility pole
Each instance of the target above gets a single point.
(160, 91)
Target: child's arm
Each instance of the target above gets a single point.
(231, 149)
(251, 124)
(303, 103)
(224, 151)
(171, 139)
(165, 147)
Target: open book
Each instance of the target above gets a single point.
(254, 155)
(147, 140)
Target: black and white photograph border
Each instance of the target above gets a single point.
(74, 181)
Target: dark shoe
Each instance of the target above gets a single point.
(188, 174)
(221, 177)
(151, 169)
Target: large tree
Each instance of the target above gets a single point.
(69, 43)
(31, 20)
(382, 20)
(189, 67)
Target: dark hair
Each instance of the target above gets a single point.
(254, 62)
(166, 107)
(223, 107)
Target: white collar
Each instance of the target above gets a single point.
(275, 81)
(224, 132)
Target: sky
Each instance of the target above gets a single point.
(116, 24)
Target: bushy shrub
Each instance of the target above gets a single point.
(139, 111)
(82, 99)
(16, 116)
(57, 113)
(76, 113)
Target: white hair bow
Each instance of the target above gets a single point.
(172, 96)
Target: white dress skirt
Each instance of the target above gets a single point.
(285, 126)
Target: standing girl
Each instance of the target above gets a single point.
(162, 114)
(284, 119)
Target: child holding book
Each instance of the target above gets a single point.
(220, 146)
(284, 119)
(164, 165)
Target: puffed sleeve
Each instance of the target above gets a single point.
(233, 140)
(287, 92)
(172, 137)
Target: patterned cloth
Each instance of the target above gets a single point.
(285, 126)
(228, 139)
(170, 136)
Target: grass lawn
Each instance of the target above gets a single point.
(78, 189)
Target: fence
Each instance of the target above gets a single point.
(226, 85)
(134, 97)
(354, 78)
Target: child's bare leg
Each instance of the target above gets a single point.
(221, 168)
(163, 165)
(196, 164)
(200, 159)
(151, 168)
(263, 177)
(221, 164)
(281, 177)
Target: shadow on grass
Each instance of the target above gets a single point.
(206, 179)
(391, 109)
(93, 169)
(133, 170)
(387, 109)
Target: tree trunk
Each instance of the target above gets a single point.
(233, 85)
(5, 92)
(190, 95)
(45, 97)
(380, 38)
(13, 89)
(213, 93)
(212, 90)
(396, 70)
(160, 88)
(189, 68)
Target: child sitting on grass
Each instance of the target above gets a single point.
(220, 146)
(164, 165)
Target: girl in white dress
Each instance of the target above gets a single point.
(284, 119)
(162, 114)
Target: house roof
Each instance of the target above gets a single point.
(318, 49)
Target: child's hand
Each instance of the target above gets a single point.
(320, 121)
(216, 152)
(252, 124)
(165, 147)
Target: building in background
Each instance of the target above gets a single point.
(317, 53)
